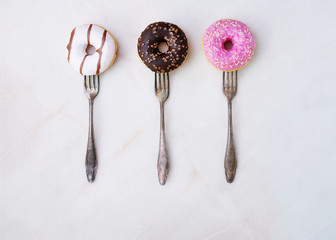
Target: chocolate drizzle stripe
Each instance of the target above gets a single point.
(88, 40)
(82, 64)
(70, 43)
(100, 52)
(88, 34)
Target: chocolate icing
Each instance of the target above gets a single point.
(148, 47)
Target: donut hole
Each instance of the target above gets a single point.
(228, 44)
(90, 49)
(163, 47)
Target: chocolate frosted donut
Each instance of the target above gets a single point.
(148, 47)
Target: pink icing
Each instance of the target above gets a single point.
(228, 30)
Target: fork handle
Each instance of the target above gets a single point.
(91, 157)
(163, 162)
(230, 163)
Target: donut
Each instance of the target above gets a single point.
(148, 47)
(103, 44)
(228, 44)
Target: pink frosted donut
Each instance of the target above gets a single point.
(228, 44)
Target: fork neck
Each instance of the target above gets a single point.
(229, 115)
(162, 125)
(90, 106)
(91, 116)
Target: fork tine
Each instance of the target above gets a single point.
(91, 82)
(167, 81)
(88, 82)
(225, 80)
(158, 84)
(97, 82)
(85, 85)
(235, 73)
(162, 80)
(231, 79)
(155, 82)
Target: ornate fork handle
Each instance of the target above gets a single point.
(230, 90)
(91, 157)
(230, 163)
(91, 89)
(162, 93)
(163, 162)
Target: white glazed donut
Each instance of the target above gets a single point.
(89, 34)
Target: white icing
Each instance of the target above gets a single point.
(91, 62)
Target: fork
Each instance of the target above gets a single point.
(162, 93)
(91, 89)
(230, 90)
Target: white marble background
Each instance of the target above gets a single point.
(284, 122)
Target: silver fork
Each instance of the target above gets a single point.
(91, 89)
(162, 93)
(230, 90)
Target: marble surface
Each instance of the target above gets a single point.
(284, 123)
